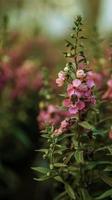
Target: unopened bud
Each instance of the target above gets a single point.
(48, 173)
(66, 69)
(51, 166)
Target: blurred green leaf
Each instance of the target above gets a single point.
(106, 194)
(86, 125)
(70, 191)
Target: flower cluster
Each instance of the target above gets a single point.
(65, 125)
(20, 78)
(50, 115)
(79, 92)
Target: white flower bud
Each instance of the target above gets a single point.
(66, 69)
(80, 73)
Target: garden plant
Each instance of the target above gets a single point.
(77, 134)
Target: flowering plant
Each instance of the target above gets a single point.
(78, 148)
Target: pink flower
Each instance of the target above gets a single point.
(80, 105)
(108, 93)
(97, 77)
(78, 93)
(70, 90)
(64, 124)
(61, 75)
(109, 83)
(83, 87)
(90, 83)
(93, 100)
(59, 82)
(51, 115)
(76, 83)
(73, 110)
(58, 132)
(67, 102)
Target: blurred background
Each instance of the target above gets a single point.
(32, 37)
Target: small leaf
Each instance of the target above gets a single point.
(106, 194)
(85, 194)
(41, 170)
(59, 197)
(70, 191)
(59, 165)
(59, 179)
(108, 169)
(44, 178)
(86, 125)
(79, 156)
(42, 150)
(69, 156)
(73, 169)
(110, 149)
(107, 180)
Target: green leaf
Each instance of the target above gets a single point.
(86, 125)
(110, 149)
(79, 156)
(70, 191)
(42, 150)
(58, 152)
(107, 180)
(59, 179)
(108, 169)
(43, 178)
(42, 170)
(59, 197)
(73, 169)
(85, 194)
(106, 194)
(65, 136)
(68, 157)
(59, 165)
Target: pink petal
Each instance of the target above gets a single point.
(76, 83)
(83, 87)
(70, 90)
(73, 110)
(80, 105)
(90, 83)
(67, 102)
(61, 75)
(59, 82)
(78, 93)
(109, 83)
(93, 100)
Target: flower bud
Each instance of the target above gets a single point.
(51, 166)
(80, 73)
(66, 69)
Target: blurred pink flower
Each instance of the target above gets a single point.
(64, 126)
(96, 77)
(61, 78)
(51, 115)
(108, 93)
